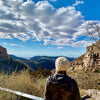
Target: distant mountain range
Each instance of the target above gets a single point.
(12, 62)
(44, 61)
(15, 57)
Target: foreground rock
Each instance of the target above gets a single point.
(91, 94)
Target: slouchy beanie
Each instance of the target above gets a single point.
(61, 64)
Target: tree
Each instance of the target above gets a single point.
(93, 30)
(47, 72)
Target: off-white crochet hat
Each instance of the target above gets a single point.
(61, 64)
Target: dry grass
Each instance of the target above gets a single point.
(86, 79)
(36, 86)
(40, 86)
(20, 82)
(7, 96)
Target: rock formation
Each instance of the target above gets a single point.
(91, 94)
(7, 64)
(88, 61)
(3, 54)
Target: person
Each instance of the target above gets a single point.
(60, 86)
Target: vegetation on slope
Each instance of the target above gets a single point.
(79, 59)
(34, 83)
(44, 61)
(86, 79)
(31, 83)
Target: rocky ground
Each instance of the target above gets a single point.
(88, 83)
(91, 94)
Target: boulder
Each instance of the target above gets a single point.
(92, 94)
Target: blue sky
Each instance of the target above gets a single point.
(50, 27)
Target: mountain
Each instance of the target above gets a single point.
(40, 58)
(88, 61)
(44, 61)
(15, 57)
(8, 64)
(44, 64)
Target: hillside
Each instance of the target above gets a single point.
(7, 64)
(15, 57)
(88, 61)
(44, 61)
(39, 58)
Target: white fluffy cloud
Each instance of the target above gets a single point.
(78, 2)
(42, 22)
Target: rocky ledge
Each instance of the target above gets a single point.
(88, 61)
(91, 94)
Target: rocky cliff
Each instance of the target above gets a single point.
(88, 61)
(7, 64)
(3, 54)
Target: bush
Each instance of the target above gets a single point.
(19, 82)
(23, 82)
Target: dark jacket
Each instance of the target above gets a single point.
(61, 87)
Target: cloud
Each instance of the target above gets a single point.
(82, 43)
(59, 47)
(78, 3)
(41, 22)
(53, 0)
(13, 44)
(5, 43)
(16, 45)
(50, 47)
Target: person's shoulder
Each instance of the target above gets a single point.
(50, 78)
(71, 80)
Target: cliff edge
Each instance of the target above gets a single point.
(7, 64)
(88, 61)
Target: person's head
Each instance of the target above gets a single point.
(61, 64)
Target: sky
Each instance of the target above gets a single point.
(47, 27)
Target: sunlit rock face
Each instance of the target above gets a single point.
(90, 60)
(3, 54)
